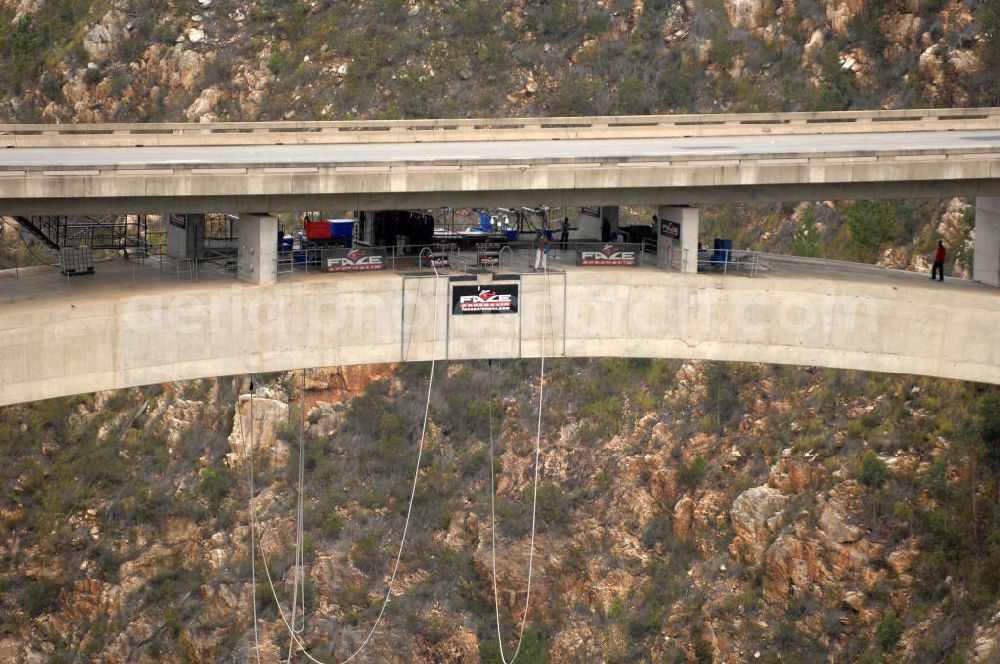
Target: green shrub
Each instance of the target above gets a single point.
(332, 525)
(365, 553)
(555, 506)
(806, 235)
(692, 474)
(889, 630)
(556, 19)
(872, 225)
(598, 21)
(872, 471)
(41, 596)
(215, 484)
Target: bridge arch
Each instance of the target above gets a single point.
(805, 315)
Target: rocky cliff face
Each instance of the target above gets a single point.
(237, 60)
(687, 512)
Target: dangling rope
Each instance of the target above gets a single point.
(534, 495)
(299, 580)
(295, 638)
(248, 453)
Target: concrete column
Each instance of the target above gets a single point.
(185, 235)
(986, 254)
(258, 248)
(680, 254)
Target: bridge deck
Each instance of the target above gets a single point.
(119, 328)
(118, 278)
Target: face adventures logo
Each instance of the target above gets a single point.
(355, 260)
(609, 254)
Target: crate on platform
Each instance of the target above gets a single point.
(76, 260)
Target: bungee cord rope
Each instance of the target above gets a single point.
(248, 453)
(299, 579)
(534, 495)
(293, 634)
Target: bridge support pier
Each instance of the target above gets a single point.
(258, 249)
(986, 255)
(677, 241)
(185, 235)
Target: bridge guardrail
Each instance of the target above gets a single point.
(486, 129)
(726, 260)
(686, 161)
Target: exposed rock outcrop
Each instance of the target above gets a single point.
(755, 515)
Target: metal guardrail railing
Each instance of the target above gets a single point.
(726, 260)
(371, 131)
(418, 257)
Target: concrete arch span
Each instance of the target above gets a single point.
(97, 339)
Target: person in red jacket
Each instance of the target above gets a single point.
(938, 267)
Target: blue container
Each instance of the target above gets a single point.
(511, 235)
(341, 227)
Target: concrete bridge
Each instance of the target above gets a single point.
(668, 161)
(112, 332)
(141, 329)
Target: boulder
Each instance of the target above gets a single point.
(902, 559)
(205, 104)
(964, 61)
(683, 517)
(814, 46)
(750, 515)
(98, 43)
(854, 600)
(834, 526)
(102, 39)
(261, 430)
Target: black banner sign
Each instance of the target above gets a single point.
(496, 299)
(670, 229)
(591, 211)
(609, 255)
(178, 220)
(353, 260)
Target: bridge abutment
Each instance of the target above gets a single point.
(677, 244)
(986, 256)
(258, 248)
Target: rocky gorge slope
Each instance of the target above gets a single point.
(202, 60)
(687, 512)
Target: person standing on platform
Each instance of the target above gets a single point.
(541, 250)
(939, 256)
(564, 236)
